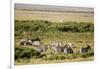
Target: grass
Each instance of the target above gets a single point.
(41, 29)
(52, 58)
(49, 37)
(78, 39)
(77, 28)
(53, 16)
(37, 61)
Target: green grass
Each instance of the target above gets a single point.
(46, 26)
(37, 61)
(49, 37)
(50, 58)
(49, 32)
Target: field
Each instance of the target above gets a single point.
(53, 16)
(74, 27)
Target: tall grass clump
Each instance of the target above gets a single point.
(76, 27)
(87, 54)
(24, 52)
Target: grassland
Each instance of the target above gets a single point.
(48, 31)
(77, 33)
(54, 16)
(77, 28)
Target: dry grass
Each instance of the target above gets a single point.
(53, 16)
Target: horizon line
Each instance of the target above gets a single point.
(58, 5)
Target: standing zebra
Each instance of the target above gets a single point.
(68, 49)
(85, 49)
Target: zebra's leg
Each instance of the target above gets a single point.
(65, 51)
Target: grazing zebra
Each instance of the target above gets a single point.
(24, 42)
(68, 49)
(41, 48)
(71, 45)
(85, 49)
(57, 44)
(65, 49)
(57, 49)
(34, 42)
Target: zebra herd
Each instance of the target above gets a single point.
(57, 47)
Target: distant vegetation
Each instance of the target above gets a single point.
(46, 26)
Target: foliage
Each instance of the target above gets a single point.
(87, 54)
(49, 31)
(24, 52)
(46, 26)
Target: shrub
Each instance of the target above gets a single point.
(87, 54)
(76, 27)
(36, 25)
(23, 52)
(45, 26)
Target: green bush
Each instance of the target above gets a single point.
(76, 27)
(45, 26)
(36, 25)
(24, 52)
(87, 54)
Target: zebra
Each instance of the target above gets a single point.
(27, 41)
(68, 50)
(85, 49)
(64, 49)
